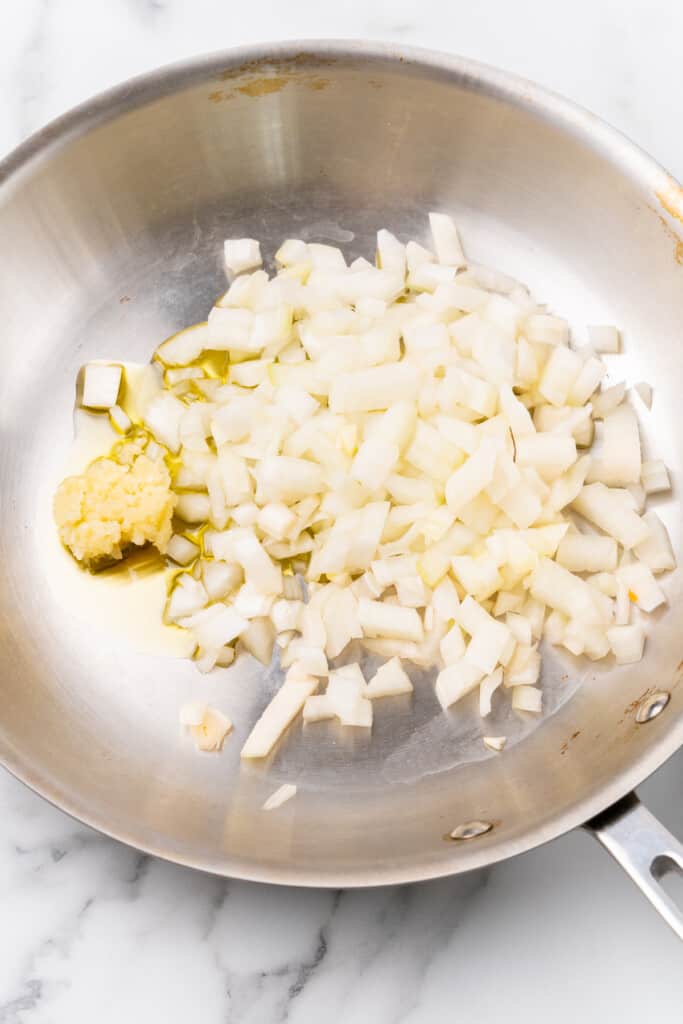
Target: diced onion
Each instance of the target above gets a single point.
(527, 698)
(655, 477)
(101, 385)
(644, 391)
(456, 681)
(487, 688)
(389, 680)
(120, 419)
(611, 510)
(181, 550)
(656, 551)
(627, 642)
(387, 457)
(285, 705)
(604, 338)
(384, 620)
(580, 552)
(642, 587)
(279, 797)
(446, 240)
(241, 254)
(619, 462)
(210, 730)
(495, 742)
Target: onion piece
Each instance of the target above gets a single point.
(187, 597)
(318, 708)
(489, 638)
(120, 419)
(611, 510)
(284, 479)
(581, 552)
(279, 797)
(656, 551)
(655, 477)
(101, 385)
(560, 589)
(181, 550)
(524, 668)
(390, 621)
(642, 587)
(627, 642)
(241, 254)
(210, 732)
(452, 646)
(587, 381)
(619, 462)
(607, 401)
(376, 388)
(495, 743)
(487, 688)
(446, 240)
(644, 393)
(163, 418)
(276, 717)
(560, 372)
(391, 254)
(456, 681)
(527, 698)
(472, 477)
(555, 628)
(445, 600)
(520, 627)
(184, 347)
(215, 626)
(549, 454)
(192, 713)
(604, 338)
(390, 680)
(259, 639)
(549, 330)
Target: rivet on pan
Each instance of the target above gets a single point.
(471, 830)
(652, 706)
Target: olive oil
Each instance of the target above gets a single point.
(125, 601)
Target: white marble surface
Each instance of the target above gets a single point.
(91, 930)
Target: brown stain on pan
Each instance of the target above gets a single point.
(565, 746)
(264, 77)
(218, 96)
(631, 708)
(678, 242)
(283, 65)
(671, 198)
(265, 85)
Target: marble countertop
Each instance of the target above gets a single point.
(93, 930)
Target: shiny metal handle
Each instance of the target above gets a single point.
(646, 851)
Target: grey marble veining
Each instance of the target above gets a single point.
(90, 926)
(92, 930)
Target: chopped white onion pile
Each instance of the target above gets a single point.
(411, 438)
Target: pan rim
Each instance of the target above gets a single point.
(632, 162)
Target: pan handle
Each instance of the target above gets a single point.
(646, 851)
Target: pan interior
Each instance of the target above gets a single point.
(112, 234)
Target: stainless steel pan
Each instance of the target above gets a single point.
(111, 223)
